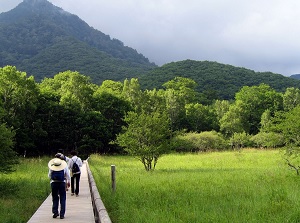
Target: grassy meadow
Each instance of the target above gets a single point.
(23, 191)
(247, 186)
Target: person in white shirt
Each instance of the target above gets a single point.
(75, 177)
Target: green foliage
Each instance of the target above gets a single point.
(184, 87)
(23, 191)
(268, 140)
(231, 122)
(73, 89)
(249, 186)
(43, 41)
(290, 127)
(291, 98)
(200, 118)
(239, 140)
(19, 95)
(221, 107)
(197, 142)
(215, 80)
(146, 137)
(250, 104)
(8, 157)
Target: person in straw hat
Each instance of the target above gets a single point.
(59, 176)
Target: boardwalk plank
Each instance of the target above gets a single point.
(78, 209)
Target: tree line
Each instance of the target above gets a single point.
(69, 112)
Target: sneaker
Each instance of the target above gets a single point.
(62, 217)
(72, 194)
(55, 215)
(77, 195)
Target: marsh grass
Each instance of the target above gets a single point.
(248, 186)
(23, 191)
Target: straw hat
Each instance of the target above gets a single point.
(57, 164)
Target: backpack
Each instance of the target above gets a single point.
(75, 167)
(58, 175)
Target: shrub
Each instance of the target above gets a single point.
(268, 140)
(239, 140)
(194, 142)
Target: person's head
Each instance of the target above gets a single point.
(73, 153)
(57, 164)
(60, 151)
(60, 156)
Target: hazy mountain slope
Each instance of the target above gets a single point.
(215, 79)
(295, 76)
(28, 31)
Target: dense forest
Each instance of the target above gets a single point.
(69, 112)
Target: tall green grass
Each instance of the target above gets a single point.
(23, 191)
(248, 186)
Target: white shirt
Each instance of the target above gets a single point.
(73, 160)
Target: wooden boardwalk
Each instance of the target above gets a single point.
(78, 209)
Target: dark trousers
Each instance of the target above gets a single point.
(76, 178)
(58, 195)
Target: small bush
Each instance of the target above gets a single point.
(268, 140)
(239, 140)
(195, 142)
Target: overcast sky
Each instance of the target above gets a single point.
(260, 35)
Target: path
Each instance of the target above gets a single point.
(79, 209)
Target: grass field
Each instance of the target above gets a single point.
(23, 191)
(248, 186)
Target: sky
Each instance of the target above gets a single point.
(260, 35)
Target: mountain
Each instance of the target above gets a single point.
(215, 80)
(43, 40)
(295, 76)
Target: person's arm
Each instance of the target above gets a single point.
(67, 176)
(79, 162)
(49, 174)
(70, 163)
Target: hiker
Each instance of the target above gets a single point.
(60, 154)
(75, 172)
(59, 176)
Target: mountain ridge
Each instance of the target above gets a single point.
(36, 25)
(43, 40)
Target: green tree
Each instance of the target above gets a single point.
(268, 140)
(67, 98)
(74, 89)
(113, 109)
(291, 98)
(19, 95)
(185, 88)
(231, 122)
(179, 92)
(288, 125)
(238, 140)
(133, 93)
(146, 137)
(7, 155)
(221, 107)
(253, 101)
(200, 118)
